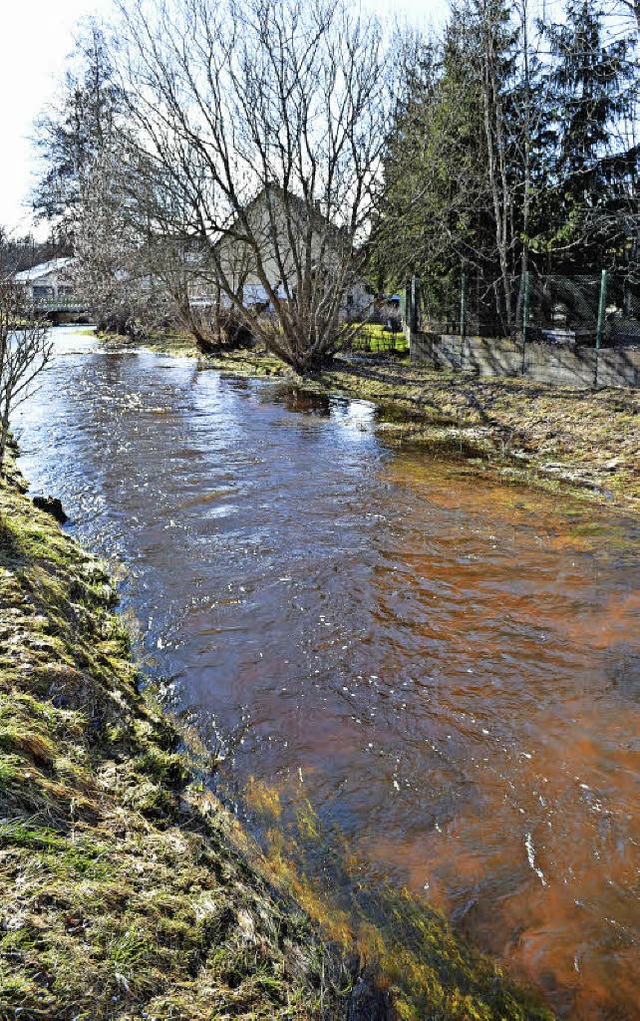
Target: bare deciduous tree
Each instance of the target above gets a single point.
(25, 350)
(265, 127)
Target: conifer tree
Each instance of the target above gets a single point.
(74, 134)
(593, 80)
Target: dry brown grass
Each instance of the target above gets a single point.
(120, 890)
(582, 439)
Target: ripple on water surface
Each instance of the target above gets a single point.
(447, 671)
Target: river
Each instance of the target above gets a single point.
(445, 671)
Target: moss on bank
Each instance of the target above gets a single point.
(178, 344)
(126, 891)
(121, 893)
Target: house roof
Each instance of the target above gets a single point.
(28, 276)
(298, 206)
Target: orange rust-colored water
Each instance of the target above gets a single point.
(447, 671)
(541, 865)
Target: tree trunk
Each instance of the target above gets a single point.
(498, 181)
(526, 199)
(4, 433)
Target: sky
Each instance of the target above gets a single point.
(35, 38)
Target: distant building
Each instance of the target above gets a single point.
(278, 225)
(49, 282)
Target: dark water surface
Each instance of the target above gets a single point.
(447, 671)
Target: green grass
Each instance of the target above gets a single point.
(115, 872)
(372, 337)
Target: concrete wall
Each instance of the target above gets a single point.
(544, 363)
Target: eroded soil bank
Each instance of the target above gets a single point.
(125, 889)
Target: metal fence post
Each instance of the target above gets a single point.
(526, 313)
(463, 315)
(602, 307)
(404, 315)
(413, 318)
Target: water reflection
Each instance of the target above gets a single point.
(446, 670)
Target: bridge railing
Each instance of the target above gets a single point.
(58, 305)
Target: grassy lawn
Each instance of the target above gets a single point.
(373, 337)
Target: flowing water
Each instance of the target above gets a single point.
(446, 670)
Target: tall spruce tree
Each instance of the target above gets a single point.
(73, 135)
(455, 161)
(594, 174)
(436, 169)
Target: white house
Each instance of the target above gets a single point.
(50, 281)
(278, 227)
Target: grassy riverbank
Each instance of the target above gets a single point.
(121, 893)
(538, 433)
(585, 441)
(126, 890)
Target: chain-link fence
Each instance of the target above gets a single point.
(462, 305)
(622, 312)
(591, 310)
(597, 310)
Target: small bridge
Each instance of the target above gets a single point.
(60, 310)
